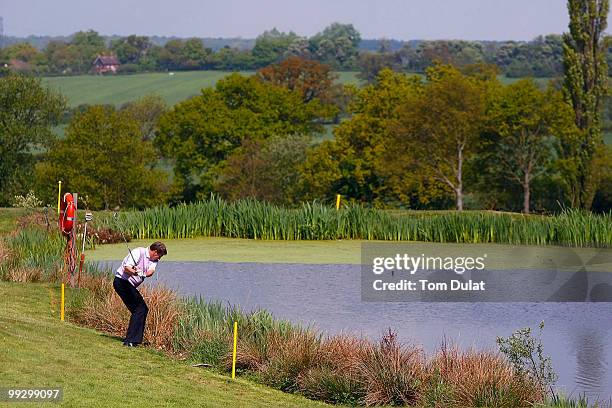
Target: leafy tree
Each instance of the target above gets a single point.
(21, 51)
(337, 45)
(585, 85)
(370, 64)
(353, 163)
(603, 164)
(27, 112)
(458, 53)
(541, 57)
(525, 125)
(132, 49)
(264, 169)
(438, 129)
(86, 46)
(182, 55)
(200, 133)
(309, 78)
(146, 111)
(271, 46)
(30, 58)
(232, 59)
(104, 159)
(61, 57)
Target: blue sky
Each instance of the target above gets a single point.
(399, 19)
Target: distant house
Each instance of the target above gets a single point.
(105, 63)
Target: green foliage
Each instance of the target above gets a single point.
(27, 112)
(132, 49)
(266, 170)
(271, 46)
(352, 164)
(585, 85)
(105, 160)
(257, 220)
(179, 54)
(525, 124)
(560, 401)
(337, 45)
(526, 355)
(200, 133)
(541, 57)
(86, 45)
(34, 249)
(439, 129)
(146, 111)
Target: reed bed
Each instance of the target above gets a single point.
(312, 221)
(31, 255)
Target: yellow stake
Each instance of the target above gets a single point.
(234, 356)
(62, 306)
(337, 201)
(59, 194)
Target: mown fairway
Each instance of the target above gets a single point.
(95, 370)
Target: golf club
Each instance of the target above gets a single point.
(123, 236)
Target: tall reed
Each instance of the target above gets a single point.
(254, 219)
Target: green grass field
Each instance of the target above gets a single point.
(95, 370)
(119, 89)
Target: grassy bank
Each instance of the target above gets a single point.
(96, 371)
(312, 221)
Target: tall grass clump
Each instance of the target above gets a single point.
(254, 219)
(107, 313)
(32, 254)
(477, 379)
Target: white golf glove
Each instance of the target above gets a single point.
(141, 274)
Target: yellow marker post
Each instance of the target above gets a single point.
(337, 201)
(234, 355)
(62, 305)
(59, 194)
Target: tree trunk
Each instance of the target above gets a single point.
(459, 195)
(459, 189)
(526, 190)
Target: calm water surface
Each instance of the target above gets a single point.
(576, 335)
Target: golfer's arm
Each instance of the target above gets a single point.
(130, 270)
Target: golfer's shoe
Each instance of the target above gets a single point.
(128, 344)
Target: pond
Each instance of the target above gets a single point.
(328, 297)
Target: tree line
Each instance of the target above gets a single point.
(454, 138)
(338, 45)
(458, 138)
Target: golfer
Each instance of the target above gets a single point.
(139, 264)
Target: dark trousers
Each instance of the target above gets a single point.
(136, 305)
